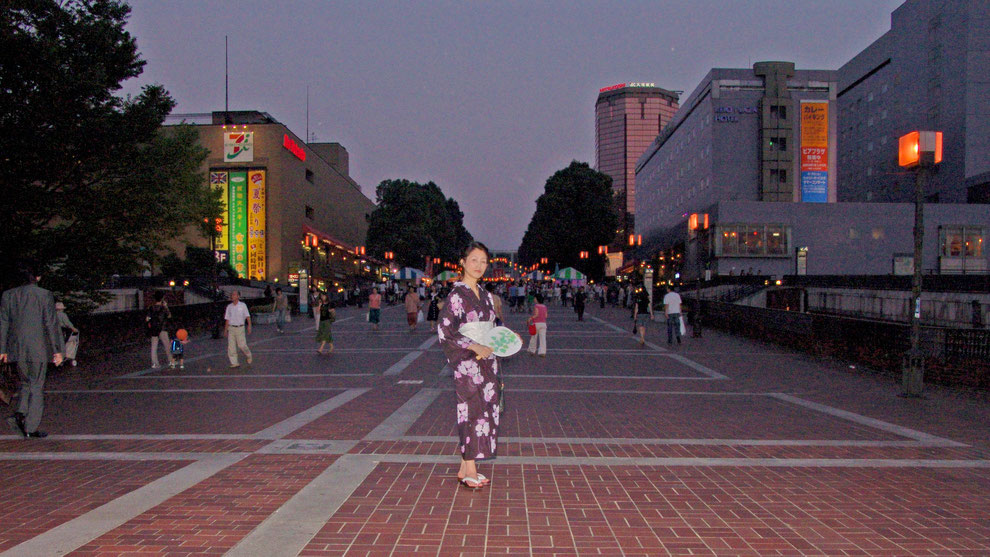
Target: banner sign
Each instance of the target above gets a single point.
(814, 152)
(256, 224)
(238, 146)
(238, 222)
(221, 181)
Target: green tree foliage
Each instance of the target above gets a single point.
(415, 221)
(92, 186)
(575, 213)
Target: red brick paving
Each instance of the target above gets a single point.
(418, 508)
(645, 450)
(133, 445)
(358, 417)
(39, 495)
(632, 510)
(652, 416)
(173, 412)
(212, 516)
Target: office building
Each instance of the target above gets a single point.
(628, 117)
(289, 205)
(928, 72)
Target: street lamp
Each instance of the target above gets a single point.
(920, 150)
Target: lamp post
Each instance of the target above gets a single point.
(920, 150)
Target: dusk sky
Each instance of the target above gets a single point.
(485, 99)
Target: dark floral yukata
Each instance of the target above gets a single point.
(476, 381)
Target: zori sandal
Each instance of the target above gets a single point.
(472, 483)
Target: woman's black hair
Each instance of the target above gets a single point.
(473, 246)
(159, 296)
(539, 298)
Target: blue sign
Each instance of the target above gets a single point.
(814, 187)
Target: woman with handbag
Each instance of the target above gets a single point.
(538, 328)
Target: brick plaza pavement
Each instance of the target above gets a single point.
(719, 446)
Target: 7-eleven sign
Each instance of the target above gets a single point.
(238, 146)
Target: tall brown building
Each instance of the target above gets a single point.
(628, 117)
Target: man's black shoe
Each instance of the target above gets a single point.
(17, 424)
(36, 435)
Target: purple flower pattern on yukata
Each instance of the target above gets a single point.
(475, 381)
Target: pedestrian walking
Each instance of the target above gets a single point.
(29, 336)
(69, 333)
(476, 379)
(538, 321)
(324, 335)
(412, 308)
(281, 309)
(314, 306)
(374, 308)
(433, 312)
(236, 327)
(642, 314)
(155, 322)
(579, 300)
(672, 308)
(497, 303)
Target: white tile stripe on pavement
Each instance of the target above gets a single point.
(287, 426)
(675, 441)
(869, 422)
(402, 364)
(399, 422)
(77, 532)
(287, 531)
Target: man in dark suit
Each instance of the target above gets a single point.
(29, 335)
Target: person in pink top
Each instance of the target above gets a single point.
(539, 320)
(374, 308)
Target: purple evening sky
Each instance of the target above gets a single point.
(487, 99)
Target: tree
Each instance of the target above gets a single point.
(415, 221)
(92, 186)
(575, 213)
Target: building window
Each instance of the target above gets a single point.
(962, 241)
(309, 176)
(778, 111)
(752, 240)
(309, 212)
(778, 143)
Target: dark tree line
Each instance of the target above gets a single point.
(575, 213)
(91, 185)
(415, 221)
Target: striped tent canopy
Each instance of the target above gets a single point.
(535, 275)
(408, 273)
(569, 273)
(445, 276)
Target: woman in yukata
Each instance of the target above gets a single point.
(474, 365)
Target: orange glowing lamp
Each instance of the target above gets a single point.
(919, 148)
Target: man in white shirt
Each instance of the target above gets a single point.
(236, 327)
(672, 308)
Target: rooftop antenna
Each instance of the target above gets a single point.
(226, 84)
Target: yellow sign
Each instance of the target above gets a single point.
(814, 124)
(257, 259)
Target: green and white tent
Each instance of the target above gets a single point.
(569, 273)
(445, 276)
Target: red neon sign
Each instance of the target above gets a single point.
(612, 88)
(293, 148)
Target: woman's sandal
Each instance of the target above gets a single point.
(472, 483)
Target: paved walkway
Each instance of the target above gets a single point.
(718, 446)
